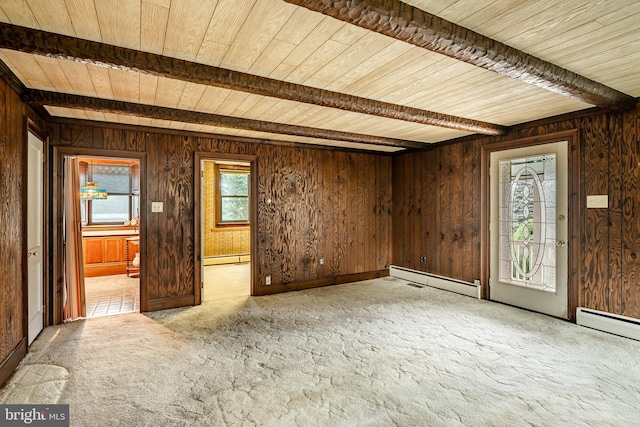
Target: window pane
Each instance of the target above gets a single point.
(527, 222)
(235, 209)
(115, 209)
(135, 205)
(83, 210)
(113, 178)
(234, 184)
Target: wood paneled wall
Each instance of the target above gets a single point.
(12, 139)
(436, 216)
(437, 202)
(13, 182)
(324, 204)
(330, 204)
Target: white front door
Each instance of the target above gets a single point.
(529, 228)
(35, 222)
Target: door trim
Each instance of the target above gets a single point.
(574, 209)
(197, 226)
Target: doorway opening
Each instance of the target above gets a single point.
(108, 252)
(226, 189)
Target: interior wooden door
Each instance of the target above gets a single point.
(35, 237)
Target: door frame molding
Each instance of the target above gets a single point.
(56, 206)
(574, 209)
(197, 218)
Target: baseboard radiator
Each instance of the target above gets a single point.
(227, 259)
(607, 322)
(435, 281)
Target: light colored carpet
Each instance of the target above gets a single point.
(34, 383)
(374, 353)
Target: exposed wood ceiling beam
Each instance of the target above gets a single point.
(55, 99)
(64, 47)
(410, 24)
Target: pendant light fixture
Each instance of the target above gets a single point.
(91, 191)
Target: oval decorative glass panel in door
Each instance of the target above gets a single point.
(527, 218)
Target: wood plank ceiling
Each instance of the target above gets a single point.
(343, 84)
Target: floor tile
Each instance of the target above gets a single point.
(109, 295)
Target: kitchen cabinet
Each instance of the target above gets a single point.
(106, 254)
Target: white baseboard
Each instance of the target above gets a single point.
(607, 322)
(435, 281)
(230, 259)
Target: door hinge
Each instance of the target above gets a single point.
(201, 174)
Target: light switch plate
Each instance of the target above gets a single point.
(598, 201)
(156, 206)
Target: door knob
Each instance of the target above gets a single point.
(561, 243)
(32, 252)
